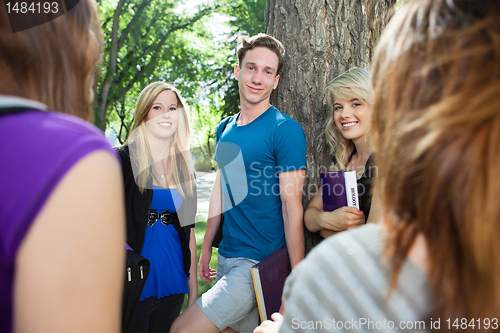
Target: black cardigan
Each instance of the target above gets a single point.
(137, 211)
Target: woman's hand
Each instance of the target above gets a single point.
(328, 223)
(341, 219)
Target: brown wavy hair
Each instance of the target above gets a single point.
(53, 63)
(436, 133)
(245, 43)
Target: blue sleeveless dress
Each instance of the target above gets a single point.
(162, 246)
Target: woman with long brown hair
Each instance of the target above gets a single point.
(434, 263)
(437, 82)
(160, 194)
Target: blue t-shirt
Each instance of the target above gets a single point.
(250, 158)
(162, 246)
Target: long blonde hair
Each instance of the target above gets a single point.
(179, 167)
(355, 83)
(436, 133)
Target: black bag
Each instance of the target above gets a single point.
(136, 273)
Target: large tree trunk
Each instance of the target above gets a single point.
(322, 39)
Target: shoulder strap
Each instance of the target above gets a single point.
(226, 121)
(352, 154)
(14, 109)
(222, 175)
(225, 124)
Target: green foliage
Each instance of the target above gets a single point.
(204, 119)
(248, 16)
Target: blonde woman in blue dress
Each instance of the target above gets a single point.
(160, 195)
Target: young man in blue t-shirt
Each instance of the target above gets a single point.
(261, 154)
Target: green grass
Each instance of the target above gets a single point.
(199, 231)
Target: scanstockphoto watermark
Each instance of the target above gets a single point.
(261, 181)
(260, 170)
(26, 14)
(355, 325)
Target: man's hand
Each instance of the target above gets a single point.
(206, 273)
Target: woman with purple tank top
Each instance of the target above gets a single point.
(61, 213)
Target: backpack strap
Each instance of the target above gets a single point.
(226, 121)
(224, 126)
(219, 234)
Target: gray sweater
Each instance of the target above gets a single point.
(342, 286)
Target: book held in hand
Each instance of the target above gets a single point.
(269, 277)
(339, 189)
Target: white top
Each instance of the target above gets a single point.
(342, 286)
(8, 101)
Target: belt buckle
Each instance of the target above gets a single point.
(165, 217)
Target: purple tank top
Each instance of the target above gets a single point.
(38, 149)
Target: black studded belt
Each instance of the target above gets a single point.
(166, 217)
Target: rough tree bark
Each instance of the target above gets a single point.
(322, 39)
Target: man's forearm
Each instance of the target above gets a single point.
(211, 230)
(294, 232)
(291, 184)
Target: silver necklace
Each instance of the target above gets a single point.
(163, 169)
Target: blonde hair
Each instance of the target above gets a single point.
(436, 132)
(355, 83)
(179, 167)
